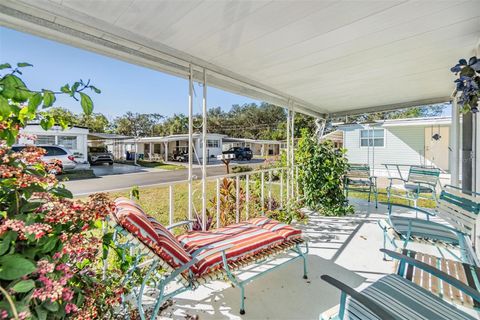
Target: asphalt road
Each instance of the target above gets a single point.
(128, 180)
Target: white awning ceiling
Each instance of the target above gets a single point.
(335, 57)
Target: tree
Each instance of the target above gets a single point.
(137, 124)
(415, 112)
(96, 122)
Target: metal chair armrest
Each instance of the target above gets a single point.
(198, 255)
(179, 224)
(419, 209)
(371, 305)
(436, 272)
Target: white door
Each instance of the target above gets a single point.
(436, 146)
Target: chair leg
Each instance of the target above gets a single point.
(384, 244)
(305, 273)
(369, 193)
(388, 201)
(242, 298)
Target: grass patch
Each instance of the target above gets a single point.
(160, 165)
(382, 197)
(77, 175)
(155, 200)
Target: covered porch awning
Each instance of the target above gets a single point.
(316, 57)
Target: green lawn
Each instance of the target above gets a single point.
(382, 197)
(153, 164)
(155, 200)
(159, 165)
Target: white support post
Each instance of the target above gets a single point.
(247, 195)
(292, 157)
(218, 203)
(165, 145)
(270, 190)
(288, 155)
(281, 189)
(262, 190)
(171, 204)
(190, 142)
(150, 150)
(476, 155)
(237, 199)
(204, 152)
(455, 145)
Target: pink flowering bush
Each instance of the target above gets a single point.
(50, 247)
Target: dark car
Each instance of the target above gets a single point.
(98, 155)
(240, 153)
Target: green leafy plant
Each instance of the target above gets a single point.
(228, 201)
(49, 243)
(321, 172)
(291, 212)
(467, 85)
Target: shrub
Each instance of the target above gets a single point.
(288, 214)
(321, 172)
(49, 243)
(240, 169)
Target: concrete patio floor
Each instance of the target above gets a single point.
(345, 248)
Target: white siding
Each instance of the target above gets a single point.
(403, 145)
(80, 152)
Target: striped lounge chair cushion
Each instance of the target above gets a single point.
(404, 300)
(150, 232)
(246, 239)
(286, 231)
(424, 229)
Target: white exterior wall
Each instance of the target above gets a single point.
(211, 151)
(403, 145)
(81, 134)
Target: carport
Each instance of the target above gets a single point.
(322, 58)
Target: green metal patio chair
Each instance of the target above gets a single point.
(394, 297)
(466, 273)
(421, 182)
(459, 212)
(359, 177)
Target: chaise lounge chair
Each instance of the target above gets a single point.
(198, 257)
(394, 297)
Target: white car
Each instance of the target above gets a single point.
(61, 154)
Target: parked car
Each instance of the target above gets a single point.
(240, 153)
(98, 155)
(55, 154)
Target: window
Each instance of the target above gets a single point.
(213, 143)
(69, 142)
(372, 138)
(41, 139)
(54, 151)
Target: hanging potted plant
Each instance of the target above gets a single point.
(467, 84)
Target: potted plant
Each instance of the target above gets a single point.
(467, 84)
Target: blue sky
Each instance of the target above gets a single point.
(125, 87)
